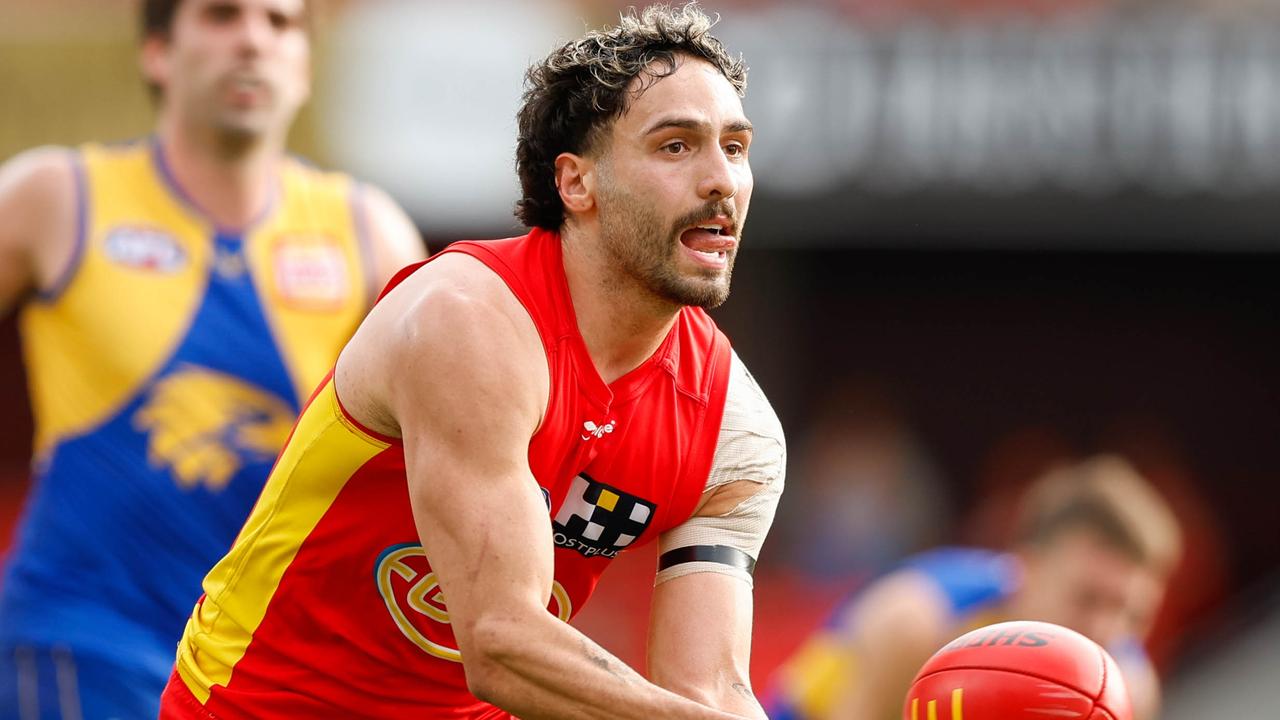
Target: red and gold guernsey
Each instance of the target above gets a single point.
(326, 606)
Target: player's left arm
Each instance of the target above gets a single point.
(700, 626)
(394, 241)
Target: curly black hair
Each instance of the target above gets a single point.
(581, 87)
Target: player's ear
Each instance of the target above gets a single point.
(576, 181)
(153, 60)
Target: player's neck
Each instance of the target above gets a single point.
(233, 186)
(621, 322)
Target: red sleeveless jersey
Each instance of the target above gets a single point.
(326, 606)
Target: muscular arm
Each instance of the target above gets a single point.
(37, 222)
(466, 386)
(393, 239)
(700, 629)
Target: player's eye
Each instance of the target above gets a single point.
(280, 21)
(675, 147)
(735, 149)
(221, 12)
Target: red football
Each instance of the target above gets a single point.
(1019, 671)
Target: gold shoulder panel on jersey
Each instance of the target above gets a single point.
(311, 269)
(323, 454)
(124, 306)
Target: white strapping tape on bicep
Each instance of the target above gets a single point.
(750, 447)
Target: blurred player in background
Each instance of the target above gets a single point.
(183, 295)
(511, 416)
(1094, 548)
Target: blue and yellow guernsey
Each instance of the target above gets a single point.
(166, 369)
(975, 584)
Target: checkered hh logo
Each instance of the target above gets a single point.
(597, 519)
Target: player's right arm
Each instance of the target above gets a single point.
(37, 222)
(896, 625)
(463, 378)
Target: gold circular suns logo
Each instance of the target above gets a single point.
(412, 595)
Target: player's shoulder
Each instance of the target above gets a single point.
(960, 559)
(458, 277)
(59, 171)
(458, 300)
(40, 171)
(445, 328)
(749, 401)
(38, 198)
(395, 239)
(968, 578)
(751, 444)
(900, 607)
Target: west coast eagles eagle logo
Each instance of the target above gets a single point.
(204, 425)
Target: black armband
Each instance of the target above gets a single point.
(722, 554)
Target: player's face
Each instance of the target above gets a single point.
(237, 66)
(675, 185)
(1081, 582)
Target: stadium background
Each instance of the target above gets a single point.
(987, 235)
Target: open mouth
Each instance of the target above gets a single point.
(709, 243)
(247, 89)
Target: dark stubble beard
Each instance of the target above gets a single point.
(644, 248)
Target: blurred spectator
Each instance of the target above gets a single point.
(1197, 584)
(1094, 547)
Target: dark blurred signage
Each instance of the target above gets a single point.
(1166, 107)
(1169, 103)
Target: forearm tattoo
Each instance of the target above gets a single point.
(597, 657)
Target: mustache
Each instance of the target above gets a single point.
(709, 212)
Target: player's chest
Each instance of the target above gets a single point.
(615, 475)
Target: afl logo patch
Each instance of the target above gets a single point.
(412, 594)
(311, 272)
(144, 248)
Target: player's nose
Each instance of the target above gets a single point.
(720, 177)
(255, 33)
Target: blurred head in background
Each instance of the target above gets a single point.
(232, 71)
(634, 139)
(1096, 544)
